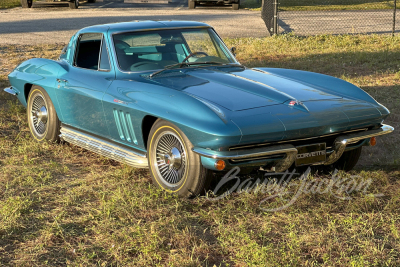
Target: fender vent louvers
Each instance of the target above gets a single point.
(124, 126)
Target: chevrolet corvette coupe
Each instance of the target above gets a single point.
(170, 96)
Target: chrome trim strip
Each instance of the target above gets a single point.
(10, 90)
(104, 148)
(342, 141)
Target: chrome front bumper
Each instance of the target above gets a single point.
(10, 90)
(339, 146)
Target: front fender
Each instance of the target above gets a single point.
(329, 84)
(324, 82)
(201, 125)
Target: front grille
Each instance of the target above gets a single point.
(328, 139)
(270, 157)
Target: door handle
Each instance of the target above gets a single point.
(62, 80)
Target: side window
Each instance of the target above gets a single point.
(104, 59)
(67, 50)
(88, 51)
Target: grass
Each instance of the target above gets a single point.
(9, 3)
(318, 5)
(61, 205)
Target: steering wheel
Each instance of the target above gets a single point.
(193, 54)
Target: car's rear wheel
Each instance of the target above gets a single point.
(346, 162)
(192, 4)
(42, 117)
(26, 3)
(173, 165)
(74, 4)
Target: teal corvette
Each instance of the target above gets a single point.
(171, 97)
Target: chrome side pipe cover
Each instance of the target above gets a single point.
(107, 149)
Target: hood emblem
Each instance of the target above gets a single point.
(292, 103)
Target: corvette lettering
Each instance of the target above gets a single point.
(311, 154)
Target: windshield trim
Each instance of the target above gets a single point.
(158, 29)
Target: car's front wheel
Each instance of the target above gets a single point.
(173, 165)
(42, 117)
(74, 4)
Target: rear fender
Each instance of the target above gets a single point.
(40, 72)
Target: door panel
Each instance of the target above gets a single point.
(83, 83)
(80, 95)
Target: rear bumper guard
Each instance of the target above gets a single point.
(339, 147)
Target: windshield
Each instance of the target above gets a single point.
(152, 50)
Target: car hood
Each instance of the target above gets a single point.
(283, 122)
(244, 89)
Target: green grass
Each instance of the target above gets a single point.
(318, 5)
(62, 205)
(9, 3)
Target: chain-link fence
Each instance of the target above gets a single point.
(310, 17)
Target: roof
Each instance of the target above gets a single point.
(145, 24)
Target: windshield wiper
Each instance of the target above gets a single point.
(187, 64)
(180, 65)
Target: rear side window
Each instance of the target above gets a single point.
(88, 51)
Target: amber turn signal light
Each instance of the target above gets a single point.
(372, 141)
(220, 165)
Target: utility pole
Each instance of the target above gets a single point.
(276, 17)
(269, 13)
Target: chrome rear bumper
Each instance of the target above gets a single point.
(339, 147)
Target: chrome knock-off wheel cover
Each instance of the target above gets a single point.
(39, 115)
(170, 162)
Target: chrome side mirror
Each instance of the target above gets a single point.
(233, 51)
